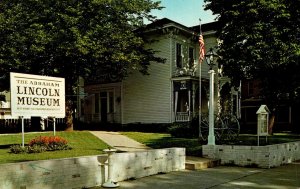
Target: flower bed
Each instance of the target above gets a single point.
(41, 144)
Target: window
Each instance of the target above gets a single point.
(191, 57)
(235, 105)
(97, 103)
(105, 100)
(111, 102)
(250, 89)
(178, 55)
(82, 106)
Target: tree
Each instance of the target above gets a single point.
(72, 38)
(260, 39)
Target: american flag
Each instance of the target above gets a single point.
(201, 49)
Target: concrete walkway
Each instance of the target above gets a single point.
(284, 177)
(223, 177)
(120, 142)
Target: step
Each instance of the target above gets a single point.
(196, 163)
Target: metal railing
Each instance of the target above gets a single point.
(182, 117)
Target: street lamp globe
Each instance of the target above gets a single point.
(211, 58)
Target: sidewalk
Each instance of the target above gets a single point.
(120, 142)
(284, 177)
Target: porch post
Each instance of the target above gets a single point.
(193, 98)
(176, 101)
(189, 110)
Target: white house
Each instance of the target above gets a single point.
(169, 93)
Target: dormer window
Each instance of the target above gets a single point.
(178, 55)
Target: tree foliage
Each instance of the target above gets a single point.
(94, 39)
(260, 40)
(71, 38)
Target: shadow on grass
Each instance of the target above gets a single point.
(193, 146)
(252, 140)
(6, 146)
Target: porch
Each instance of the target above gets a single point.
(186, 97)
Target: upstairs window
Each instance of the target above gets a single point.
(178, 55)
(250, 88)
(191, 57)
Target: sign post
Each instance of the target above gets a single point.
(54, 126)
(23, 137)
(35, 95)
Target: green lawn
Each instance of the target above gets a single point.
(157, 140)
(276, 138)
(83, 143)
(194, 146)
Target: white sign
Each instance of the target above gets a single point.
(34, 95)
(262, 120)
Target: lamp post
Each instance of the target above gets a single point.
(211, 58)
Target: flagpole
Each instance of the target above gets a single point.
(200, 88)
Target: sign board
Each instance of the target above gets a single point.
(34, 95)
(262, 120)
(262, 124)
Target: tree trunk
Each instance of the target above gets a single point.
(69, 117)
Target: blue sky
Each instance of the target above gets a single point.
(186, 12)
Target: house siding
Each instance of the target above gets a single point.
(149, 98)
(146, 98)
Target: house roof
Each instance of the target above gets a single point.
(212, 26)
(167, 23)
(162, 23)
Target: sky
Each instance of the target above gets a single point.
(185, 12)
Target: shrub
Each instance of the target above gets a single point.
(180, 130)
(185, 129)
(57, 143)
(50, 143)
(36, 149)
(40, 141)
(17, 149)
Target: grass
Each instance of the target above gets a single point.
(83, 143)
(276, 138)
(194, 146)
(157, 140)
